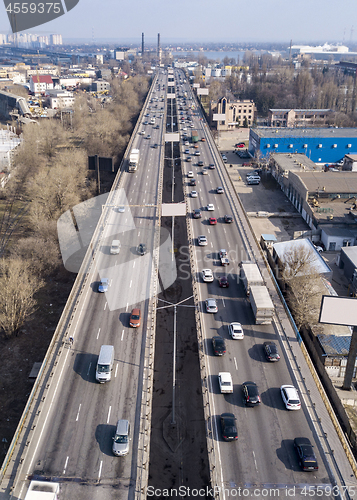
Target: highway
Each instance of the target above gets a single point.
(73, 437)
(263, 456)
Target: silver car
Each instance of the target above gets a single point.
(202, 240)
(211, 305)
(121, 439)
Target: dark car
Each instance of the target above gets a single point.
(141, 249)
(229, 427)
(193, 182)
(223, 282)
(155, 146)
(251, 394)
(305, 454)
(200, 163)
(197, 213)
(211, 166)
(219, 346)
(228, 219)
(271, 351)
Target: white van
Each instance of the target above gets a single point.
(115, 248)
(105, 364)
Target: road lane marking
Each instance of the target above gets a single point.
(100, 469)
(235, 362)
(108, 418)
(224, 305)
(89, 367)
(134, 263)
(79, 409)
(98, 333)
(127, 305)
(122, 335)
(116, 370)
(256, 466)
(65, 465)
(131, 282)
(105, 306)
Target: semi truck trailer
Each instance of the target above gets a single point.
(134, 160)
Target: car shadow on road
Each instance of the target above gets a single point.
(256, 351)
(272, 398)
(85, 364)
(104, 434)
(286, 455)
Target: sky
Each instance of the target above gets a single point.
(205, 20)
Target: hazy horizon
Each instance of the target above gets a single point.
(184, 21)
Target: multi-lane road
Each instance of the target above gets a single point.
(72, 439)
(263, 456)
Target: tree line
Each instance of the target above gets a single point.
(275, 83)
(50, 175)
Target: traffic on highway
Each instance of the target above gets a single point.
(88, 429)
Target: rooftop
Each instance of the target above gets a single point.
(328, 132)
(284, 246)
(320, 182)
(333, 344)
(294, 161)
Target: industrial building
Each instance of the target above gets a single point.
(321, 145)
(228, 115)
(299, 117)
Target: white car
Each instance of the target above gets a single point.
(207, 275)
(290, 397)
(202, 241)
(184, 129)
(222, 253)
(194, 194)
(121, 209)
(187, 143)
(210, 207)
(225, 382)
(204, 171)
(190, 174)
(236, 331)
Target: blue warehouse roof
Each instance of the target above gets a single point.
(328, 133)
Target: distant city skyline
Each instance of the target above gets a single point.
(185, 21)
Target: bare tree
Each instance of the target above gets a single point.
(18, 286)
(302, 284)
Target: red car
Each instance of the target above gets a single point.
(212, 221)
(223, 282)
(247, 164)
(240, 145)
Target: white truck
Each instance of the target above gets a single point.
(250, 275)
(134, 160)
(225, 382)
(262, 305)
(42, 490)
